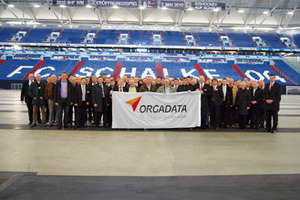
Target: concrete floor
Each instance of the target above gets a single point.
(147, 153)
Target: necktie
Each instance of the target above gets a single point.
(201, 86)
(271, 85)
(254, 92)
(214, 91)
(224, 92)
(121, 89)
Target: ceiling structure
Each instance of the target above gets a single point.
(238, 15)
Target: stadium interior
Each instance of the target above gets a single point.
(158, 38)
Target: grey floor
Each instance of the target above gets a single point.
(161, 164)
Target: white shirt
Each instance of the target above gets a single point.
(30, 82)
(224, 91)
(271, 84)
(254, 91)
(83, 90)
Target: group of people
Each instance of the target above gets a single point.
(224, 103)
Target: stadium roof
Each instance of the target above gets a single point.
(185, 15)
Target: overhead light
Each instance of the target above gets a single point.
(242, 28)
(63, 6)
(89, 6)
(241, 11)
(11, 5)
(216, 9)
(142, 7)
(32, 23)
(190, 8)
(14, 22)
(115, 6)
(290, 13)
(264, 29)
(164, 8)
(266, 12)
(36, 6)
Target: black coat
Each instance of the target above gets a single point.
(274, 94)
(258, 97)
(97, 97)
(89, 93)
(243, 100)
(24, 92)
(35, 95)
(184, 88)
(217, 95)
(228, 97)
(57, 97)
(206, 96)
(78, 95)
(124, 89)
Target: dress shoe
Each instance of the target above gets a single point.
(33, 124)
(44, 125)
(268, 130)
(51, 125)
(59, 127)
(273, 131)
(66, 126)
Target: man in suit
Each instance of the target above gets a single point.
(217, 99)
(120, 87)
(147, 87)
(49, 95)
(166, 89)
(109, 102)
(261, 85)
(37, 93)
(63, 98)
(226, 103)
(232, 111)
(272, 97)
(185, 87)
(255, 108)
(80, 103)
(26, 97)
(206, 93)
(132, 87)
(100, 94)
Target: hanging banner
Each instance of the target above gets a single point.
(156, 110)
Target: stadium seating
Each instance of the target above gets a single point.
(241, 40)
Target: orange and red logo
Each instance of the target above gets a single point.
(134, 102)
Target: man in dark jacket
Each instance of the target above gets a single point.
(215, 111)
(36, 92)
(255, 109)
(80, 103)
(26, 97)
(272, 97)
(100, 94)
(148, 87)
(226, 103)
(243, 102)
(206, 93)
(185, 87)
(63, 99)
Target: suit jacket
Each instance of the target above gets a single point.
(78, 95)
(124, 89)
(162, 89)
(49, 91)
(184, 88)
(97, 97)
(57, 97)
(217, 96)
(258, 97)
(24, 92)
(144, 88)
(89, 93)
(33, 92)
(206, 96)
(228, 97)
(274, 94)
(243, 100)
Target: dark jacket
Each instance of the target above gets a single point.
(217, 96)
(206, 96)
(57, 97)
(124, 89)
(274, 94)
(78, 95)
(243, 100)
(34, 93)
(184, 88)
(258, 97)
(89, 93)
(228, 97)
(24, 92)
(97, 97)
(144, 88)
(49, 91)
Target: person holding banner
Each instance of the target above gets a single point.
(166, 89)
(148, 87)
(185, 87)
(216, 102)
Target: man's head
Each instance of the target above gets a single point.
(158, 80)
(54, 78)
(254, 84)
(104, 75)
(167, 82)
(100, 80)
(94, 79)
(131, 83)
(88, 79)
(201, 79)
(78, 79)
(215, 82)
(121, 82)
(31, 77)
(272, 78)
(48, 79)
(261, 83)
(184, 81)
(176, 81)
(64, 76)
(38, 77)
(230, 82)
(73, 80)
(239, 83)
(83, 81)
(148, 80)
(224, 81)
(243, 85)
(112, 83)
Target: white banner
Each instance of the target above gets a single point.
(156, 110)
